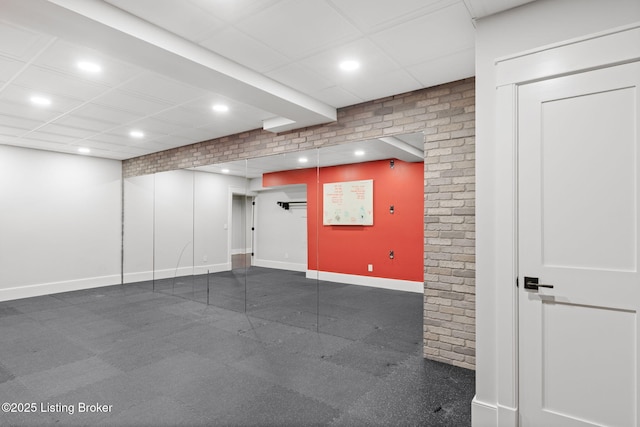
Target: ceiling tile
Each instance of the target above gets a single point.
(245, 50)
(449, 68)
(422, 39)
(301, 78)
(38, 144)
(233, 10)
(195, 134)
(89, 125)
(50, 137)
(154, 126)
(367, 87)
(368, 18)
(132, 103)
(183, 18)
(63, 57)
(164, 89)
(10, 131)
(40, 79)
(66, 131)
(185, 117)
(9, 68)
(20, 43)
(166, 142)
(372, 60)
(297, 28)
(18, 102)
(98, 113)
(17, 122)
(336, 96)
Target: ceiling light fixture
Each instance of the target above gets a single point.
(225, 170)
(84, 150)
(359, 152)
(220, 108)
(136, 134)
(40, 100)
(349, 65)
(90, 67)
(303, 160)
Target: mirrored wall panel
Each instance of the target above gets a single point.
(328, 239)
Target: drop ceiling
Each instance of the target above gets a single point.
(165, 63)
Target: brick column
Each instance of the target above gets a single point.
(449, 294)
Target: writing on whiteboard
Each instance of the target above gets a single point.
(348, 203)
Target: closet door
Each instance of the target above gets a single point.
(578, 192)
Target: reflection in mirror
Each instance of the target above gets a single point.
(220, 233)
(278, 288)
(173, 240)
(251, 236)
(370, 242)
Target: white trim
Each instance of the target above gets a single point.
(40, 289)
(615, 46)
(279, 265)
(170, 273)
(506, 251)
(240, 191)
(138, 276)
(211, 268)
(374, 282)
(483, 414)
(240, 251)
(507, 417)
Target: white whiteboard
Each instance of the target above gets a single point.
(348, 203)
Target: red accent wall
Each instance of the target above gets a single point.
(349, 249)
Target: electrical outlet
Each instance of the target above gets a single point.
(370, 267)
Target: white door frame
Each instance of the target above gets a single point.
(616, 46)
(234, 191)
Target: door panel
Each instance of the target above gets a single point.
(578, 148)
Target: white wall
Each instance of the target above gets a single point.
(60, 222)
(281, 235)
(531, 26)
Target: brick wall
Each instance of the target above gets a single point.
(446, 115)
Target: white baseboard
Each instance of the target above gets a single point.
(138, 276)
(142, 276)
(212, 268)
(40, 289)
(240, 251)
(170, 273)
(279, 265)
(507, 417)
(375, 282)
(483, 414)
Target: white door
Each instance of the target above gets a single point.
(578, 193)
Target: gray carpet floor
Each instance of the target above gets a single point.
(271, 348)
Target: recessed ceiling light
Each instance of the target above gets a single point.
(225, 170)
(90, 67)
(359, 152)
(40, 100)
(220, 108)
(136, 134)
(349, 65)
(84, 150)
(303, 160)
